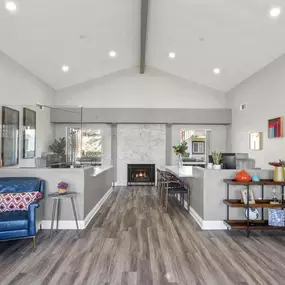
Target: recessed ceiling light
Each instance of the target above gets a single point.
(275, 12)
(216, 70)
(171, 55)
(11, 6)
(65, 68)
(112, 53)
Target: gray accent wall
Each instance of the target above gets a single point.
(144, 115)
(95, 187)
(168, 147)
(114, 148)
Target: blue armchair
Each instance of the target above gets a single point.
(20, 224)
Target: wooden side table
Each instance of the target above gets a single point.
(56, 197)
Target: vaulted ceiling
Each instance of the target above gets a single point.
(238, 37)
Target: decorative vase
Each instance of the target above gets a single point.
(180, 161)
(278, 174)
(255, 178)
(62, 191)
(217, 166)
(243, 176)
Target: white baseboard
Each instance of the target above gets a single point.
(63, 225)
(204, 225)
(70, 225)
(120, 184)
(97, 207)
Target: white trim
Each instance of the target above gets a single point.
(214, 225)
(97, 207)
(204, 225)
(120, 184)
(63, 225)
(70, 225)
(196, 217)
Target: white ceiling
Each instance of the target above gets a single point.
(239, 38)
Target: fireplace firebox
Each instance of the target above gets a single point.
(141, 174)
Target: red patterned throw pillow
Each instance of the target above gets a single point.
(10, 202)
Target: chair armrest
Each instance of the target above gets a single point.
(32, 218)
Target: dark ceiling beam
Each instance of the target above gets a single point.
(144, 16)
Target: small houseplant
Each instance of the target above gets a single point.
(217, 159)
(62, 187)
(279, 175)
(180, 151)
(58, 149)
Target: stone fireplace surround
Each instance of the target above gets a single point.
(139, 144)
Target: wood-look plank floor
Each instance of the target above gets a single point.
(132, 241)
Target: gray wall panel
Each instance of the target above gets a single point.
(133, 115)
(95, 188)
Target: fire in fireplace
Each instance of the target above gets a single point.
(141, 174)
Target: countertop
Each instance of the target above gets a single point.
(100, 169)
(193, 162)
(183, 172)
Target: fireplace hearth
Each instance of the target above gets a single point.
(141, 174)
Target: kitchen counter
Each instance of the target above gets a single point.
(194, 162)
(100, 169)
(183, 172)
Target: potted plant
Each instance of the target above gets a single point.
(217, 159)
(62, 187)
(278, 170)
(58, 148)
(180, 151)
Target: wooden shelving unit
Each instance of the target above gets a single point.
(263, 203)
(254, 225)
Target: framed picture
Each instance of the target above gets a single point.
(275, 128)
(244, 196)
(255, 141)
(198, 147)
(29, 133)
(10, 136)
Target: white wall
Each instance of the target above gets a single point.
(129, 89)
(218, 138)
(264, 93)
(20, 88)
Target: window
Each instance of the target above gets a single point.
(91, 146)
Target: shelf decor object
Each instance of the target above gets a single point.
(247, 195)
(275, 128)
(255, 141)
(252, 214)
(279, 175)
(255, 178)
(242, 176)
(276, 217)
(251, 224)
(10, 136)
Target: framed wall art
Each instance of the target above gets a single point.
(275, 128)
(29, 133)
(255, 141)
(10, 136)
